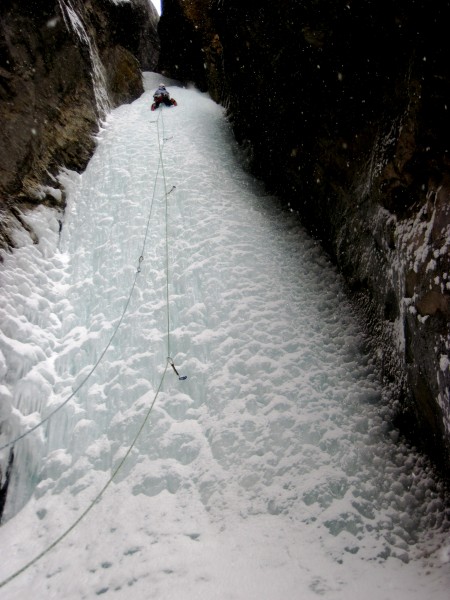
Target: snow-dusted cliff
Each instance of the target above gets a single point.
(344, 111)
(63, 65)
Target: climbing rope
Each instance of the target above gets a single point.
(167, 244)
(141, 257)
(138, 270)
(77, 389)
(147, 415)
(97, 497)
(170, 360)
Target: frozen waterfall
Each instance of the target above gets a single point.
(272, 472)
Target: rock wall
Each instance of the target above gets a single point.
(344, 111)
(63, 64)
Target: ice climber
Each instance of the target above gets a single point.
(161, 95)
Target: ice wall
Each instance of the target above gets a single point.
(280, 440)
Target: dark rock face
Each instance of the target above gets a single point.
(62, 65)
(185, 31)
(4, 482)
(133, 26)
(344, 111)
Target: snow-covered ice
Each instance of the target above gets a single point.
(272, 472)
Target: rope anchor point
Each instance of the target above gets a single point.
(171, 363)
(141, 258)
